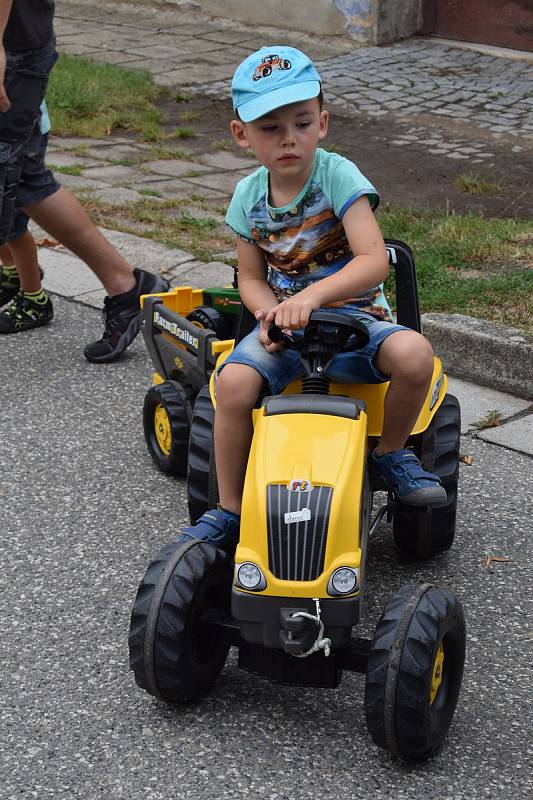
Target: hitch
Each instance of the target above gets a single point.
(297, 634)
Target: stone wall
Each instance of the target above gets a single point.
(366, 21)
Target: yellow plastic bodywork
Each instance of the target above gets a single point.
(372, 394)
(180, 299)
(284, 449)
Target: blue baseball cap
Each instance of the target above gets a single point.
(270, 78)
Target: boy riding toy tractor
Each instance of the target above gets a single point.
(293, 593)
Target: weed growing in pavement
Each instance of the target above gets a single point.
(161, 153)
(222, 144)
(492, 419)
(475, 184)
(183, 132)
(182, 97)
(78, 150)
(189, 220)
(190, 116)
(124, 162)
(149, 192)
(73, 169)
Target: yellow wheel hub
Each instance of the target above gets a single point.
(436, 678)
(163, 432)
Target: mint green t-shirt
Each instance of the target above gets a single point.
(305, 241)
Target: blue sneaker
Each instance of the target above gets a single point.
(218, 527)
(409, 481)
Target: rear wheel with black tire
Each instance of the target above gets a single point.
(202, 489)
(174, 654)
(422, 535)
(209, 318)
(414, 672)
(167, 418)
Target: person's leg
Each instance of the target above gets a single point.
(30, 307)
(240, 382)
(238, 388)
(9, 279)
(24, 252)
(408, 358)
(61, 215)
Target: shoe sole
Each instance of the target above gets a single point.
(36, 324)
(161, 285)
(424, 497)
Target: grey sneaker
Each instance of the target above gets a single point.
(122, 318)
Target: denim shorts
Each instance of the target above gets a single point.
(23, 176)
(284, 366)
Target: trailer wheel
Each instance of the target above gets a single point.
(208, 317)
(166, 422)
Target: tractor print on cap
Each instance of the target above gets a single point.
(270, 63)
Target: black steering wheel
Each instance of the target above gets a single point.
(327, 331)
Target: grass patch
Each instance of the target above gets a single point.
(468, 264)
(89, 99)
(492, 419)
(182, 97)
(190, 116)
(223, 144)
(183, 132)
(161, 153)
(73, 169)
(149, 192)
(168, 221)
(475, 184)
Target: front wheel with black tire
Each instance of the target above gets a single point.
(167, 418)
(425, 534)
(414, 672)
(202, 487)
(174, 654)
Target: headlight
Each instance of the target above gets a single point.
(250, 577)
(343, 581)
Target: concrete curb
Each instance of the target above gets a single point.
(482, 352)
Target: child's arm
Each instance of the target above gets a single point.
(254, 290)
(367, 269)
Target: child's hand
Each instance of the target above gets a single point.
(292, 314)
(261, 315)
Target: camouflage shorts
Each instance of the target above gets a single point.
(21, 144)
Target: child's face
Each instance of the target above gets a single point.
(285, 140)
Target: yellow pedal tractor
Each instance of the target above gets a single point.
(292, 596)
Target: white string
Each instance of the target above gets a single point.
(320, 643)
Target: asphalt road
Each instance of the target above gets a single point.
(82, 512)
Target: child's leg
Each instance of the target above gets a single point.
(6, 256)
(24, 252)
(408, 358)
(30, 306)
(238, 388)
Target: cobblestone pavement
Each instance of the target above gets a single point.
(449, 91)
